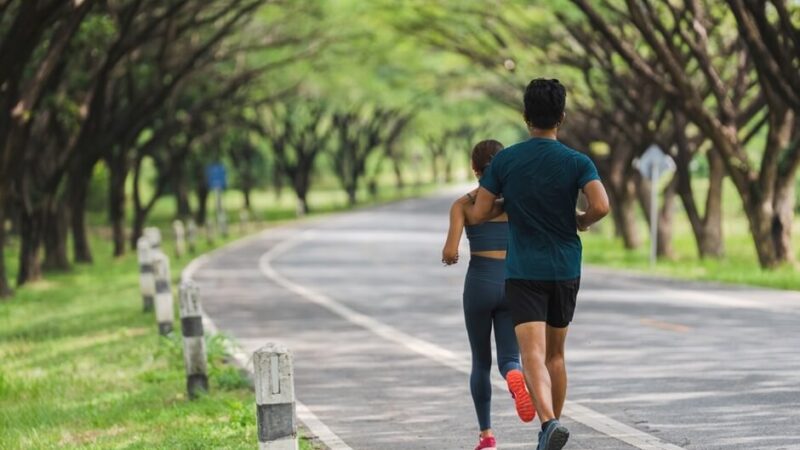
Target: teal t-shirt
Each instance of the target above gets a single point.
(539, 180)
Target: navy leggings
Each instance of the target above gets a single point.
(485, 306)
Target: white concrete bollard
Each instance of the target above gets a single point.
(180, 238)
(194, 345)
(191, 235)
(147, 281)
(154, 235)
(274, 384)
(163, 299)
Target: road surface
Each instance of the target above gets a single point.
(381, 355)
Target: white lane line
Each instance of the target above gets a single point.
(320, 430)
(578, 413)
(309, 419)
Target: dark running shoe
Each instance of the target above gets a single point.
(554, 437)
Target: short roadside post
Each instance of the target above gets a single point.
(147, 282)
(191, 235)
(194, 346)
(180, 238)
(653, 164)
(154, 235)
(217, 181)
(163, 300)
(275, 403)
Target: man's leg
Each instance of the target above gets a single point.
(533, 347)
(554, 360)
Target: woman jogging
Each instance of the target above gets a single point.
(484, 303)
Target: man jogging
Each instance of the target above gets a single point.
(539, 180)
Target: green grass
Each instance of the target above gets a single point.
(738, 266)
(82, 367)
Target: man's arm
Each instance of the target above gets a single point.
(486, 207)
(598, 207)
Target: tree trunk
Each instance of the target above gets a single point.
(782, 223)
(664, 248)
(182, 206)
(246, 195)
(5, 288)
(30, 268)
(770, 225)
(711, 242)
(56, 230)
(351, 194)
(77, 192)
(435, 167)
(202, 204)
(448, 170)
(623, 199)
(398, 174)
(201, 192)
(301, 184)
(770, 203)
(116, 207)
(137, 229)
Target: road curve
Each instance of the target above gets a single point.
(381, 353)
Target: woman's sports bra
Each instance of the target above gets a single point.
(488, 236)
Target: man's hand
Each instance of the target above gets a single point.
(485, 207)
(579, 219)
(597, 200)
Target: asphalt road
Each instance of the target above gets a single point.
(381, 355)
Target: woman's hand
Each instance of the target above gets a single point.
(450, 255)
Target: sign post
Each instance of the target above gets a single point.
(215, 176)
(653, 164)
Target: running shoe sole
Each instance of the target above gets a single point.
(522, 399)
(558, 439)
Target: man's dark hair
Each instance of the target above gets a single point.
(544, 103)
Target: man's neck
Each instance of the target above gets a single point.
(544, 134)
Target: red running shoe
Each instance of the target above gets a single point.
(487, 443)
(522, 399)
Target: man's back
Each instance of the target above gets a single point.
(539, 180)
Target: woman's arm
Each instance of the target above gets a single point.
(450, 251)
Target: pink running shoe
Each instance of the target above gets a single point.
(487, 443)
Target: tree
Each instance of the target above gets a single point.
(360, 133)
(696, 34)
(297, 132)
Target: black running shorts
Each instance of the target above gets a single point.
(542, 301)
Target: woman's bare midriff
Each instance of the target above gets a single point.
(493, 254)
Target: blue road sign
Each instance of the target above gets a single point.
(215, 176)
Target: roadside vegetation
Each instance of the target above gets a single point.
(81, 366)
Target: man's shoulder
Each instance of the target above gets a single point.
(570, 151)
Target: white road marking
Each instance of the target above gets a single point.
(309, 419)
(320, 430)
(575, 411)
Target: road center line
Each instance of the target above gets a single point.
(578, 413)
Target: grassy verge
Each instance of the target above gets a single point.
(82, 367)
(738, 266)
